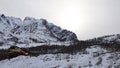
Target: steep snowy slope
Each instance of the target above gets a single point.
(15, 31)
(93, 57)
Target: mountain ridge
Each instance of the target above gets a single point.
(111, 39)
(32, 30)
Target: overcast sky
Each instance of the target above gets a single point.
(87, 18)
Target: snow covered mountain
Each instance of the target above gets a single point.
(30, 30)
(111, 38)
(101, 52)
(108, 39)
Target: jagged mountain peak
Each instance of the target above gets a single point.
(29, 18)
(32, 30)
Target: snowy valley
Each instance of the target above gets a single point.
(50, 46)
(93, 57)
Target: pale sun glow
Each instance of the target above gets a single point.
(72, 19)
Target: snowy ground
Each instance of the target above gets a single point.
(94, 57)
(35, 44)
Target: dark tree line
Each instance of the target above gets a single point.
(72, 49)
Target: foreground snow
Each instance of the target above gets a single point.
(90, 59)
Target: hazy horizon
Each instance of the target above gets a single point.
(87, 18)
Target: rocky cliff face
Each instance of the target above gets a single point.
(30, 30)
